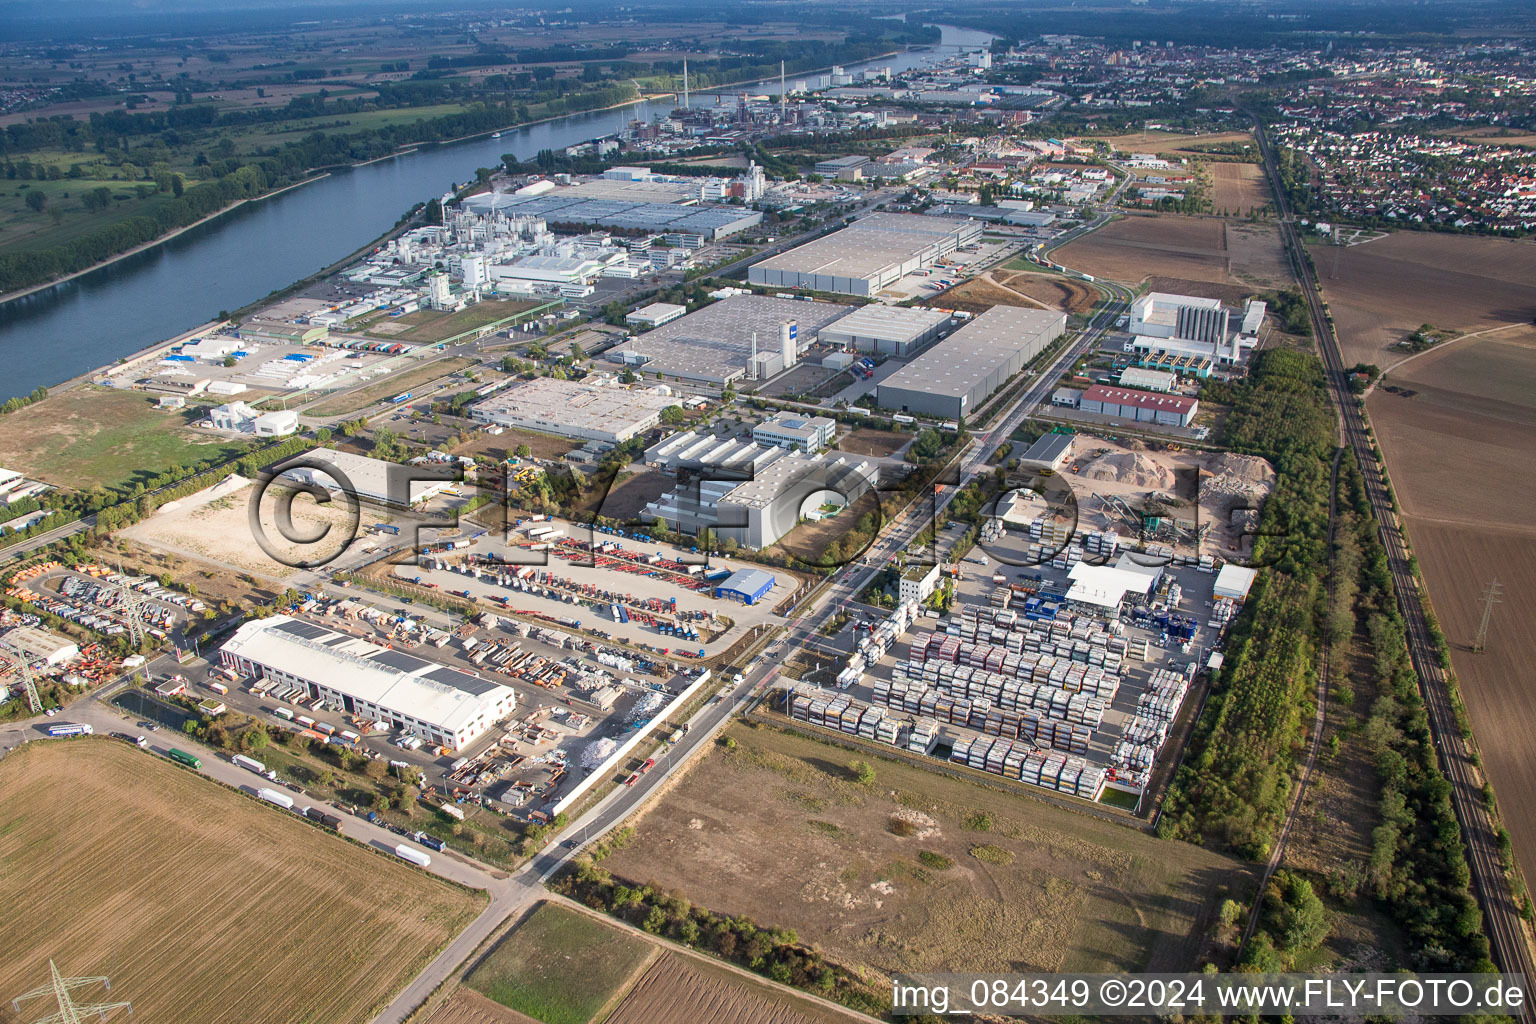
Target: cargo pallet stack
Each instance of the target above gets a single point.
(1101, 545)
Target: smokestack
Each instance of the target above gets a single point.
(685, 83)
(781, 92)
(752, 362)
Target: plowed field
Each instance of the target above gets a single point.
(200, 904)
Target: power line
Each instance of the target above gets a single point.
(1491, 597)
(69, 1012)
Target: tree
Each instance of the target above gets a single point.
(36, 200)
(522, 451)
(673, 415)
(229, 361)
(434, 211)
(863, 771)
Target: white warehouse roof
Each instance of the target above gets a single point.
(430, 692)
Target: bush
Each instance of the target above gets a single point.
(989, 854)
(978, 821)
(934, 860)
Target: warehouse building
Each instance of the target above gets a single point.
(715, 345)
(840, 165)
(441, 705)
(888, 330)
(954, 377)
(656, 314)
(693, 450)
(557, 208)
(867, 256)
(370, 480)
(38, 645)
(799, 433)
(757, 511)
(1140, 406)
(1186, 317)
(1049, 452)
(1147, 380)
(591, 412)
(748, 586)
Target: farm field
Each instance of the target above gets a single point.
(339, 928)
(1382, 291)
(779, 831)
(1237, 187)
(392, 385)
(1013, 287)
(689, 990)
(531, 970)
(101, 437)
(1138, 248)
(1458, 451)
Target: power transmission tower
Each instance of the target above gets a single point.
(131, 611)
(1490, 598)
(34, 701)
(69, 1011)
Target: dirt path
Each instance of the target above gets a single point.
(991, 278)
(1445, 345)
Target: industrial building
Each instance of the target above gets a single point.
(757, 511)
(1188, 335)
(592, 412)
(693, 450)
(1049, 452)
(1139, 406)
(954, 377)
(1234, 581)
(867, 256)
(442, 705)
(837, 166)
(238, 416)
(715, 345)
(1187, 317)
(918, 583)
(799, 433)
(748, 586)
(38, 645)
(370, 480)
(561, 207)
(1099, 590)
(1147, 380)
(887, 330)
(656, 314)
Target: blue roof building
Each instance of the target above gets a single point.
(746, 585)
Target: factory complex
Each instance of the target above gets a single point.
(601, 411)
(368, 480)
(865, 257)
(736, 338)
(442, 705)
(1189, 335)
(956, 376)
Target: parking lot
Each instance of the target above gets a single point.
(94, 597)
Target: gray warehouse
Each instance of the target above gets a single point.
(714, 345)
(957, 375)
(888, 330)
(872, 253)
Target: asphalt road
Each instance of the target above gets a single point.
(1505, 929)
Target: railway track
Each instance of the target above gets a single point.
(1508, 944)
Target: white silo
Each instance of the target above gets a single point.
(788, 339)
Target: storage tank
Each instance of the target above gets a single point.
(413, 855)
(272, 796)
(788, 339)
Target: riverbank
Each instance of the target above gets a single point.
(145, 246)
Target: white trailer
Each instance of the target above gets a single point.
(249, 764)
(413, 855)
(272, 796)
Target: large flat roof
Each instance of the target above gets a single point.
(557, 208)
(715, 342)
(890, 323)
(1139, 399)
(865, 248)
(560, 405)
(424, 690)
(958, 364)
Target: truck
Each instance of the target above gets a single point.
(330, 821)
(413, 855)
(432, 843)
(70, 729)
(387, 528)
(218, 688)
(182, 757)
(250, 764)
(284, 713)
(272, 796)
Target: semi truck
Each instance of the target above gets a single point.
(70, 729)
(250, 764)
(272, 796)
(182, 757)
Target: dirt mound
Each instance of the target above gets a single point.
(1131, 468)
(1238, 474)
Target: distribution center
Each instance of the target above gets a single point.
(862, 259)
(954, 377)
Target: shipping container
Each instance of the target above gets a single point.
(272, 796)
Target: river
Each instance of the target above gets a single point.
(97, 318)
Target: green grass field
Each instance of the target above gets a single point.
(22, 227)
(430, 325)
(560, 966)
(98, 437)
